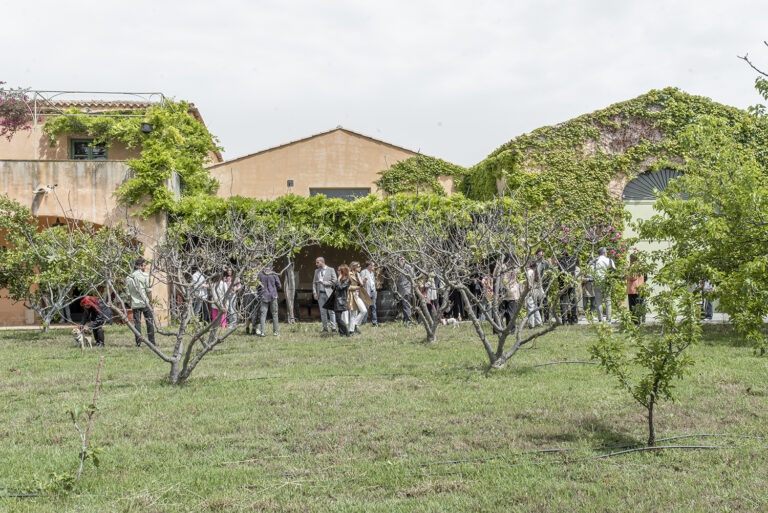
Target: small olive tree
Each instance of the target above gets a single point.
(645, 362)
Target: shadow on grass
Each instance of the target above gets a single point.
(722, 335)
(605, 434)
(33, 335)
(598, 432)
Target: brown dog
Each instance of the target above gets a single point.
(81, 338)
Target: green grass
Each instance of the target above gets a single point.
(376, 423)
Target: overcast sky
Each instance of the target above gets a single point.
(452, 79)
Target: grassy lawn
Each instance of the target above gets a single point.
(379, 422)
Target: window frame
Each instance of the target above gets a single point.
(89, 155)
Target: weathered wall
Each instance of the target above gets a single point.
(22, 147)
(86, 192)
(336, 159)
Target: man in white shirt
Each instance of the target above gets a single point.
(603, 268)
(200, 294)
(322, 287)
(369, 283)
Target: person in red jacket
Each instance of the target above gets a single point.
(96, 314)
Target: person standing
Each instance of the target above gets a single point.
(138, 287)
(357, 298)
(587, 292)
(235, 286)
(340, 306)
(369, 284)
(96, 314)
(509, 293)
(534, 301)
(219, 290)
(707, 308)
(543, 266)
(270, 285)
(405, 290)
(322, 286)
(603, 270)
(635, 279)
(567, 296)
(428, 288)
(200, 305)
(251, 301)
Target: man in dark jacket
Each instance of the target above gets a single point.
(270, 285)
(405, 290)
(322, 286)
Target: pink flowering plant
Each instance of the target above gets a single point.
(15, 114)
(598, 231)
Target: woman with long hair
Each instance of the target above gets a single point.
(219, 287)
(534, 300)
(358, 299)
(340, 305)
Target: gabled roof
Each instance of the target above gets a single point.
(297, 141)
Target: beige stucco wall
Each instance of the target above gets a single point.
(86, 192)
(336, 159)
(22, 147)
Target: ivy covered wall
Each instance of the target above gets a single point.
(585, 162)
(420, 174)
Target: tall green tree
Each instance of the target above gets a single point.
(716, 217)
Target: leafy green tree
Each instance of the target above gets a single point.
(647, 363)
(35, 272)
(716, 217)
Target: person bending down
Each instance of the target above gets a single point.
(95, 315)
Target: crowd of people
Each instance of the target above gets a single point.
(347, 296)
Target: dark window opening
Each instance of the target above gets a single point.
(346, 194)
(85, 149)
(642, 187)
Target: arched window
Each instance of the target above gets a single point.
(641, 188)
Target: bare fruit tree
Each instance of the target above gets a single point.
(484, 253)
(229, 255)
(400, 243)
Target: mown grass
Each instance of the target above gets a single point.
(379, 422)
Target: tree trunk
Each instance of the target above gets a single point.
(173, 377)
(290, 291)
(499, 363)
(651, 431)
(430, 325)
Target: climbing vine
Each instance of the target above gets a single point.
(177, 145)
(574, 162)
(418, 174)
(340, 222)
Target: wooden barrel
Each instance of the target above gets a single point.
(386, 305)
